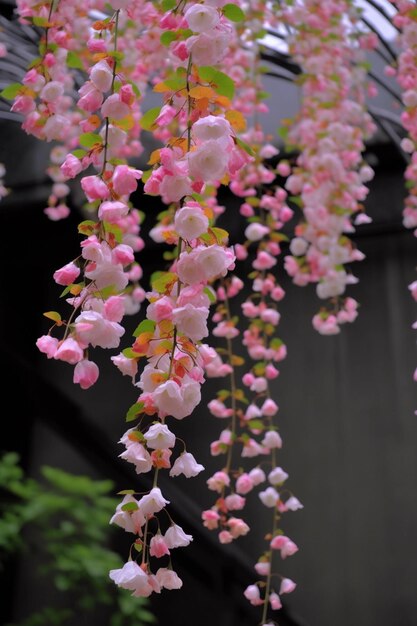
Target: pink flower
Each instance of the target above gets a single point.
(130, 521)
(218, 481)
(152, 502)
(187, 465)
(130, 576)
(48, 345)
(244, 484)
(208, 163)
(287, 586)
(203, 264)
(56, 213)
(234, 502)
(210, 519)
(114, 108)
(86, 374)
(125, 179)
(175, 537)
(225, 537)
(128, 367)
(252, 594)
(69, 351)
(263, 568)
(213, 127)
(257, 476)
(275, 601)
(238, 528)
(91, 327)
(264, 261)
(135, 453)
(101, 76)
(159, 436)
(161, 309)
(67, 274)
(112, 211)
(158, 546)
(191, 321)
(71, 166)
(168, 579)
(175, 400)
(284, 544)
(269, 408)
(190, 222)
(94, 188)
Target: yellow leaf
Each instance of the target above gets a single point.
(54, 316)
(201, 92)
(154, 158)
(161, 88)
(127, 123)
(236, 120)
(76, 289)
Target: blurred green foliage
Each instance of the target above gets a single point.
(64, 521)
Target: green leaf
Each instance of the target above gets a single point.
(146, 175)
(148, 119)
(233, 13)
(87, 227)
(161, 283)
(221, 83)
(126, 492)
(167, 5)
(210, 294)
(276, 343)
(134, 411)
(256, 425)
(79, 153)
(168, 37)
(130, 506)
(129, 353)
(74, 61)
(88, 140)
(245, 146)
(11, 91)
(40, 21)
(146, 326)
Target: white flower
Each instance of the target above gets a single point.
(201, 18)
(177, 401)
(159, 437)
(269, 497)
(190, 222)
(175, 537)
(277, 476)
(152, 502)
(191, 321)
(187, 465)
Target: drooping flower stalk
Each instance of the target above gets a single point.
(329, 132)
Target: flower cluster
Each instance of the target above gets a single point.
(329, 131)
(406, 21)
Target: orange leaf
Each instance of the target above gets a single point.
(154, 158)
(202, 104)
(223, 102)
(201, 92)
(236, 119)
(161, 88)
